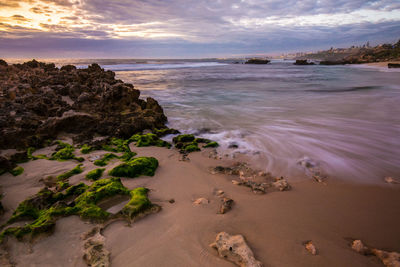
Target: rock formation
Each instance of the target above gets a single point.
(389, 259)
(38, 101)
(303, 62)
(235, 249)
(257, 61)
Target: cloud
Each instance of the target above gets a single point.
(241, 26)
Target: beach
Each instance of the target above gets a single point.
(275, 224)
(300, 174)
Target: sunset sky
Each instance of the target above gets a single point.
(189, 29)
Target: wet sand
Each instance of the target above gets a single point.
(275, 224)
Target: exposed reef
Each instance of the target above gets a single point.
(257, 61)
(48, 205)
(39, 101)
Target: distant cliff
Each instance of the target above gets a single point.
(358, 55)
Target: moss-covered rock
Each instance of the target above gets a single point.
(127, 156)
(117, 145)
(95, 174)
(65, 152)
(211, 144)
(86, 149)
(32, 157)
(138, 203)
(78, 169)
(17, 171)
(136, 167)
(47, 206)
(105, 159)
(189, 143)
(183, 138)
(148, 140)
(165, 131)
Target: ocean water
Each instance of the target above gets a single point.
(344, 118)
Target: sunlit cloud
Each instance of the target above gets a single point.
(245, 25)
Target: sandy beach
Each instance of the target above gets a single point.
(382, 64)
(275, 224)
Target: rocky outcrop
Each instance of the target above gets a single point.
(235, 249)
(303, 62)
(260, 182)
(38, 101)
(389, 259)
(257, 61)
(94, 252)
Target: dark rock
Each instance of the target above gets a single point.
(303, 62)
(257, 61)
(34, 107)
(393, 65)
(226, 205)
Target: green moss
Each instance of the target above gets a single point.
(136, 167)
(165, 131)
(17, 171)
(148, 140)
(183, 138)
(65, 153)
(78, 169)
(191, 147)
(138, 203)
(85, 204)
(127, 156)
(105, 159)
(86, 149)
(94, 175)
(47, 206)
(212, 144)
(117, 145)
(61, 185)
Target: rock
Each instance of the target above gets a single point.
(257, 61)
(310, 247)
(233, 145)
(235, 249)
(391, 180)
(220, 193)
(312, 168)
(200, 201)
(359, 247)
(281, 184)
(226, 205)
(389, 259)
(172, 201)
(393, 65)
(303, 62)
(95, 253)
(34, 107)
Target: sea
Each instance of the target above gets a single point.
(345, 120)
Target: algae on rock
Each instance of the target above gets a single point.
(136, 167)
(95, 174)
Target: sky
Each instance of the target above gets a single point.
(190, 28)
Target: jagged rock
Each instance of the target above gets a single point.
(389, 259)
(281, 184)
(95, 253)
(40, 101)
(226, 205)
(200, 201)
(310, 247)
(258, 181)
(359, 247)
(235, 249)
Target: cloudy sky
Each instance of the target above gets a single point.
(190, 28)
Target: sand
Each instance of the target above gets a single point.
(382, 64)
(275, 225)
